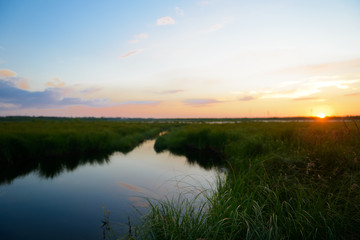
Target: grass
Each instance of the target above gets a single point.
(53, 146)
(286, 181)
(289, 180)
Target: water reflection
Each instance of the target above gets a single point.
(50, 168)
(68, 206)
(205, 159)
(46, 168)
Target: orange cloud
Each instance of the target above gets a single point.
(7, 73)
(55, 83)
(23, 84)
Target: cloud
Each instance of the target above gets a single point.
(7, 73)
(353, 64)
(247, 98)
(138, 37)
(179, 11)
(299, 91)
(215, 27)
(90, 90)
(23, 84)
(140, 102)
(165, 21)
(170, 91)
(10, 76)
(12, 96)
(8, 106)
(200, 102)
(308, 88)
(204, 3)
(305, 99)
(352, 94)
(128, 54)
(55, 83)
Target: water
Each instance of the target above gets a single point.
(69, 203)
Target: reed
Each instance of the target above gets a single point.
(286, 181)
(51, 146)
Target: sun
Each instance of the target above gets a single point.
(321, 115)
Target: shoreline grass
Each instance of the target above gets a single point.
(53, 146)
(286, 181)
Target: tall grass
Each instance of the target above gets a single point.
(53, 146)
(286, 181)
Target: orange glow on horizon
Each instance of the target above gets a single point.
(321, 115)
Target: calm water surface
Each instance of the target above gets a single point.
(69, 206)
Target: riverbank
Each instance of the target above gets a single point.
(52, 145)
(286, 181)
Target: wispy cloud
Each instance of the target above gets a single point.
(89, 90)
(300, 91)
(215, 27)
(246, 98)
(8, 105)
(307, 99)
(144, 102)
(55, 83)
(322, 68)
(200, 102)
(138, 37)
(352, 94)
(128, 54)
(173, 91)
(179, 11)
(310, 87)
(165, 21)
(204, 3)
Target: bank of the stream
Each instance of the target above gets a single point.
(285, 181)
(52, 145)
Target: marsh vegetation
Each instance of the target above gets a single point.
(285, 180)
(51, 146)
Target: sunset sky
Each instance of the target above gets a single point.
(179, 58)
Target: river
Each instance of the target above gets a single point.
(69, 205)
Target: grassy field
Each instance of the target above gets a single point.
(53, 145)
(289, 180)
(286, 180)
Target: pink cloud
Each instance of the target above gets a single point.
(128, 54)
(165, 21)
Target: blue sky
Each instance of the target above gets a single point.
(179, 58)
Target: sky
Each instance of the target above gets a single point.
(179, 58)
